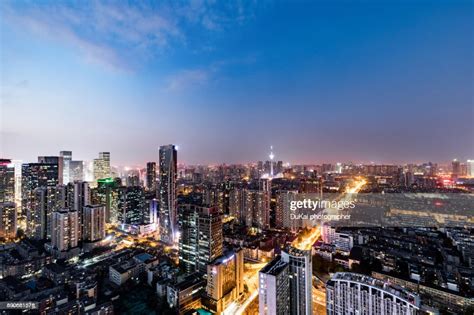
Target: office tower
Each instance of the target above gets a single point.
(255, 211)
(101, 166)
(35, 175)
(7, 220)
(236, 203)
(274, 288)
(56, 161)
(282, 209)
(132, 208)
(82, 197)
(470, 168)
(188, 241)
(36, 216)
(168, 175)
(67, 157)
(153, 211)
(107, 194)
(201, 237)
(64, 230)
(94, 223)
(133, 178)
(76, 171)
(456, 168)
(44, 201)
(300, 272)
(7, 181)
(151, 176)
(225, 280)
(351, 293)
(279, 167)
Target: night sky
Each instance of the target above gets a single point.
(381, 81)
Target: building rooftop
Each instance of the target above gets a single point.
(274, 267)
(379, 284)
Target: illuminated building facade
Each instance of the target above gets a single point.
(225, 280)
(168, 160)
(8, 225)
(94, 223)
(76, 171)
(201, 237)
(151, 176)
(132, 206)
(300, 270)
(67, 158)
(101, 166)
(350, 293)
(7, 181)
(274, 288)
(64, 230)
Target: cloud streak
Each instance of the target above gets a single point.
(118, 35)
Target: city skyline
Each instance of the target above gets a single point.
(322, 81)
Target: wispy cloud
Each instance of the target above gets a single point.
(118, 35)
(188, 78)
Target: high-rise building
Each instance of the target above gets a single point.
(107, 193)
(101, 166)
(55, 161)
(82, 197)
(274, 288)
(300, 270)
(256, 208)
(8, 224)
(201, 237)
(168, 176)
(7, 181)
(76, 171)
(94, 223)
(64, 230)
(35, 175)
(456, 168)
(151, 176)
(132, 207)
(470, 168)
(67, 157)
(225, 280)
(351, 293)
(282, 209)
(188, 240)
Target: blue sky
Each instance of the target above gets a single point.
(382, 81)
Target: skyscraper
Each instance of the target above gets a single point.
(35, 175)
(274, 288)
(351, 293)
(94, 223)
(201, 237)
(8, 225)
(456, 168)
(282, 209)
(470, 168)
(132, 207)
(64, 230)
(82, 197)
(151, 176)
(7, 181)
(168, 175)
(76, 171)
(225, 280)
(67, 157)
(300, 273)
(101, 166)
(55, 161)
